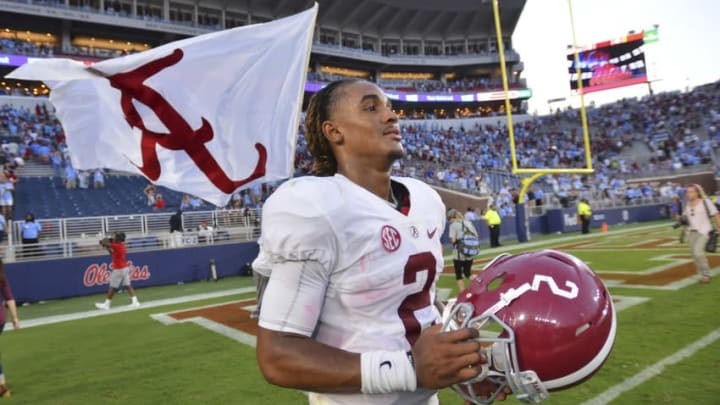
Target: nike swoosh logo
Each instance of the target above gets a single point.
(386, 363)
(431, 233)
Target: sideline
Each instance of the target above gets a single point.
(569, 238)
(653, 370)
(31, 323)
(199, 297)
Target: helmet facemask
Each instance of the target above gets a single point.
(498, 347)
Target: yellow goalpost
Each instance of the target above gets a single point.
(534, 172)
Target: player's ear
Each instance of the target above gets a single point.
(332, 133)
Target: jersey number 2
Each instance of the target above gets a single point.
(416, 263)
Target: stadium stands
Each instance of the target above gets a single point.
(428, 85)
(677, 130)
(25, 47)
(107, 48)
(47, 197)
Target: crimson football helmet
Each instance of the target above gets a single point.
(546, 322)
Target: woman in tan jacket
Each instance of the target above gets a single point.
(699, 211)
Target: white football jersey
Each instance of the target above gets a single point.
(364, 275)
(262, 263)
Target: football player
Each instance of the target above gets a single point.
(348, 312)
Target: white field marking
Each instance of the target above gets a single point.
(443, 294)
(673, 243)
(30, 323)
(579, 238)
(622, 302)
(227, 331)
(232, 333)
(671, 262)
(601, 245)
(219, 304)
(653, 370)
(588, 248)
(668, 287)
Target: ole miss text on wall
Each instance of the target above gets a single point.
(99, 274)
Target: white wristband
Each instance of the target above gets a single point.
(385, 372)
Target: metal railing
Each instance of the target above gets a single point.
(597, 204)
(73, 237)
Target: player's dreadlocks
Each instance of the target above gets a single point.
(318, 111)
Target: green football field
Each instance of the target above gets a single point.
(176, 350)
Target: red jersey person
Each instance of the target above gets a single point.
(120, 270)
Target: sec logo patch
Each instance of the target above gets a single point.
(390, 238)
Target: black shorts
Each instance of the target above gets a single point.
(462, 268)
(2, 326)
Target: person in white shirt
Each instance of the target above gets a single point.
(2, 227)
(98, 178)
(205, 232)
(699, 212)
(348, 314)
(83, 179)
(6, 196)
(471, 215)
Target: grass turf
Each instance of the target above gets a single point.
(130, 358)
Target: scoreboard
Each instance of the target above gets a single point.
(610, 64)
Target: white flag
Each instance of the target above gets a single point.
(206, 115)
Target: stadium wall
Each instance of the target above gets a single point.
(27, 102)
(706, 179)
(45, 280)
(499, 120)
(565, 220)
(461, 201)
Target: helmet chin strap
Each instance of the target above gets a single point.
(506, 299)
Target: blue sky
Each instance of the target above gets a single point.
(686, 53)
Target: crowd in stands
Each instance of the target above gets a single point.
(475, 47)
(449, 86)
(473, 159)
(679, 130)
(429, 85)
(23, 47)
(143, 11)
(497, 109)
(18, 46)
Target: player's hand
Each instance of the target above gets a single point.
(16, 324)
(446, 358)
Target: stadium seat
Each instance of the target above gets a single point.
(48, 198)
